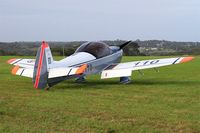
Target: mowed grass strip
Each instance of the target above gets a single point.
(168, 101)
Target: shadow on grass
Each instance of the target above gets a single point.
(99, 84)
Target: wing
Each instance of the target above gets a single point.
(24, 63)
(125, 69)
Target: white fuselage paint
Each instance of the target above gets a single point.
(74, 59)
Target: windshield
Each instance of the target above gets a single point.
(97, 49)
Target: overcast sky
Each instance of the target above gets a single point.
(70, 20)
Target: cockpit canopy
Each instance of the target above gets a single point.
(97, 49)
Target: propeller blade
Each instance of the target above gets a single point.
(123, 45)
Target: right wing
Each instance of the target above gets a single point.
(125, 69)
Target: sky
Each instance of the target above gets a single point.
(92, 20)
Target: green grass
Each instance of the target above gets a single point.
(168, 101)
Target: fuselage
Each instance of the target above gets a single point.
(97, 56)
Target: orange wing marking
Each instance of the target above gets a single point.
(186, 59)
(81, 69)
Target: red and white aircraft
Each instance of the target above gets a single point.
(89, 58)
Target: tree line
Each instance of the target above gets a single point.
(149, 47)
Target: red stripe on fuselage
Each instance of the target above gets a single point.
(40, 65)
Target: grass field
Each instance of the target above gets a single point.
(168, 101)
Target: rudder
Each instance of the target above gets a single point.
(42, 65)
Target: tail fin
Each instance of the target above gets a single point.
(42, 65)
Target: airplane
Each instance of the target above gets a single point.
(89, 58)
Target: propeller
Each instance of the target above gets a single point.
(124, 44)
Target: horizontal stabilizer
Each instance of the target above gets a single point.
(57, 75)
(26, 72)
(25, 63)
(69, 71)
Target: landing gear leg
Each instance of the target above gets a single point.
(47, 88)
(81, 79)
(125, 80)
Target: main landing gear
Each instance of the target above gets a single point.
(47, 88)
(125, 80)
(81, 79)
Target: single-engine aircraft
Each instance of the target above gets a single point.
(89, 58)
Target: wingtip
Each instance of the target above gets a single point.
(186, 59)
(10, 61)
(14, 70)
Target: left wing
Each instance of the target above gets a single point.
(24, 63)
(125, 69)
